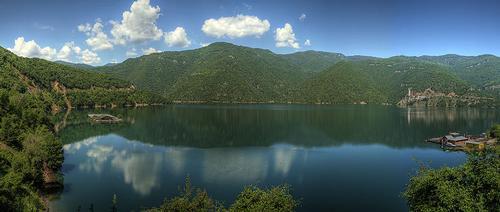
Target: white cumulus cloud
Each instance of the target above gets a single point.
(150, 50)
(32, 49)
(285, 37)
(138, 24)
(236, 27)
(302, 17)
(67, 51)
(98, 40)
(177, 38)
(307, 42)
(89, 57)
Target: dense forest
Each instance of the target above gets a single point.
(223, 72)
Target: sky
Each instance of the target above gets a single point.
(97, 32)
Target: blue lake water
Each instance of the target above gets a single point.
(345, 158)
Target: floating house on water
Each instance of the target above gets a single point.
(458, 141)
(454, 138)
(104, 118)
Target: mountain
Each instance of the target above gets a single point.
(482, 71)
(223, 72)
(379, 81)
(313, 61)
(110, 64)
(330, 86)
(219, 72)
(75, 65)
(66, 85)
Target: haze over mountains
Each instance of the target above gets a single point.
(223, 72)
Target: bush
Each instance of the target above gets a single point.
(474, 186)
(495, 131)
(188, 201)
(253, 198)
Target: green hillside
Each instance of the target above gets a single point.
(223, 72)
(330, 86)
(218, 72)
(379, 81)
(481, 71)
(314, 61)
(226, 72)
(81, 87)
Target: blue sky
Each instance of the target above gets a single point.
(97, 31)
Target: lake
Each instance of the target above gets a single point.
(342, 157)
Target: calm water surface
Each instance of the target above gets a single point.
(345, 158)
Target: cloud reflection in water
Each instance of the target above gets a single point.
(145, 166)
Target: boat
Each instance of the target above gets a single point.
(436, 140)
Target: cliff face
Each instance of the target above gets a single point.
(430, 98)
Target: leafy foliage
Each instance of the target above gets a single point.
(494, 132)
(255, 199)
(251, 198)
(189, 200)
(474, 186)
(26, 146)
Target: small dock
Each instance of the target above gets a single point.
(459, 142)
(104, 118)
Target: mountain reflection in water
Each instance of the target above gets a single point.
(330, 155)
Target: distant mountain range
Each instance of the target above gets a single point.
(227, 73)
(81, 65)
(75, 65)
(223, 72)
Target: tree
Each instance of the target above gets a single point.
(474, 186)
(253, 198)
(495, 131)
(189, 199)
(42, 143)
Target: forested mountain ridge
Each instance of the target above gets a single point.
(218, 72)
(75, 65)
(223, 72)
(82, 87)
(314, 61)
(481, 71)
(388, 81)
